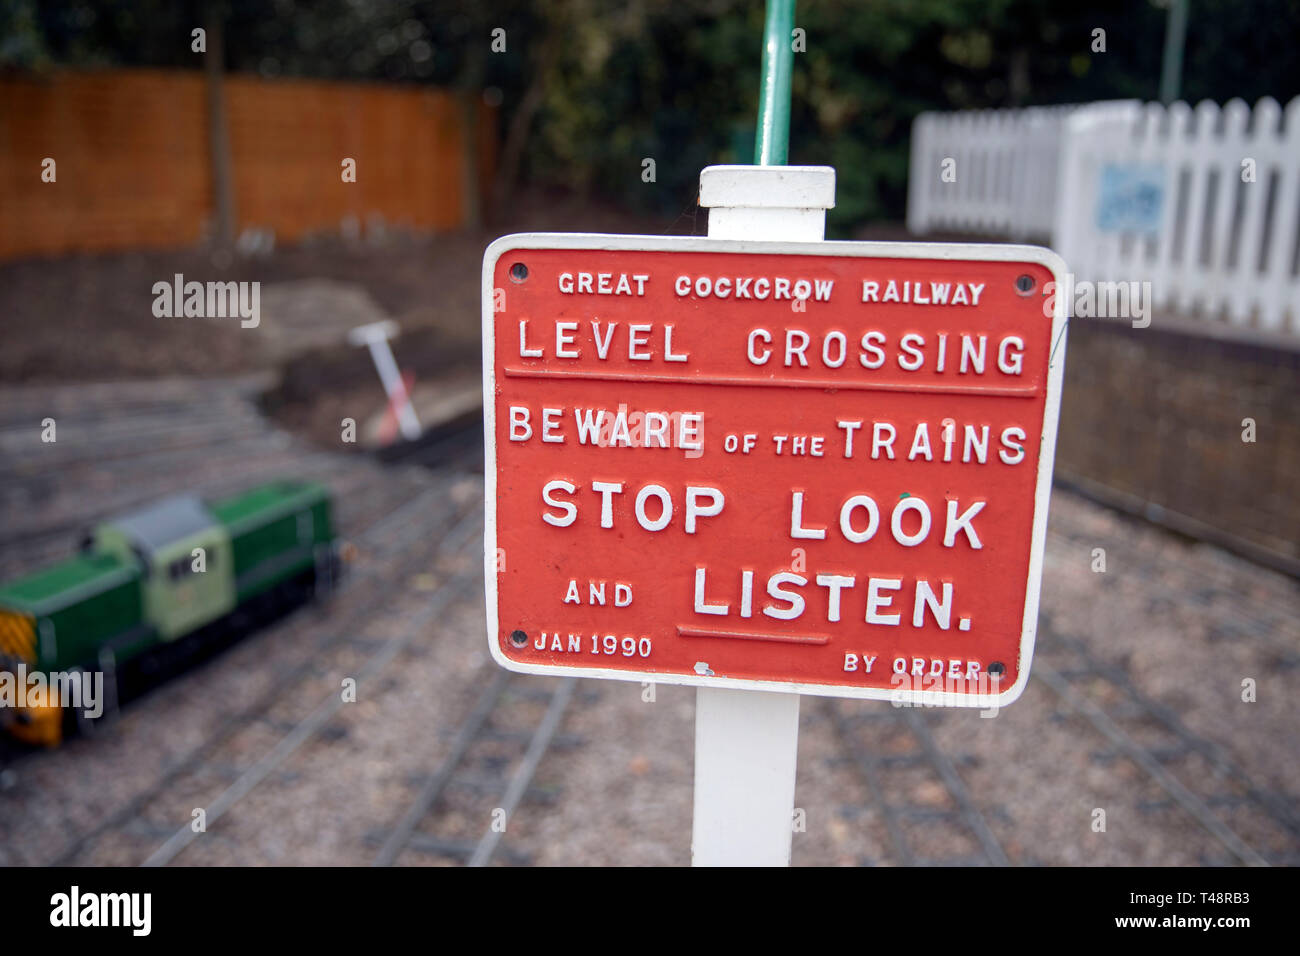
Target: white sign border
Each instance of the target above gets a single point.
(967, 252)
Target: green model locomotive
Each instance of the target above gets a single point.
(174, 569)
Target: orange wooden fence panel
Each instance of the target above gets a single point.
(133, 161)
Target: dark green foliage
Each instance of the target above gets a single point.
(677, 82)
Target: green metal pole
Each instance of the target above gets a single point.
(1171, 69)
(772, 140)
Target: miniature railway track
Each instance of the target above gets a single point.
(355, 606)
(44, 539)
(1193, 774)
(959, 819)
(128, 447)
(454, 541)
(1129, 731)
(1279, 808)
(1261, 619)
(125, 444)
(141, 447)
(1150, 763)
(477, 757)
(1197, 775)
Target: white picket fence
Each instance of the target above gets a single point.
(1202, 203)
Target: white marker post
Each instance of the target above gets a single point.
(376, 336)
(747, 741)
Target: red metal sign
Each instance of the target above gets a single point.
(818, 467)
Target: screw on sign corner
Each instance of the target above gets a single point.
(518, 272)
(1025, 284)
(997, 668)
(518, 638)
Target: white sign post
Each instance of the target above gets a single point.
(747, 741)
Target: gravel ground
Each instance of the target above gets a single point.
(1035, 772)
(617, 787)
(1166, 634)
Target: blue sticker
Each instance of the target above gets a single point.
(1131, 198)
